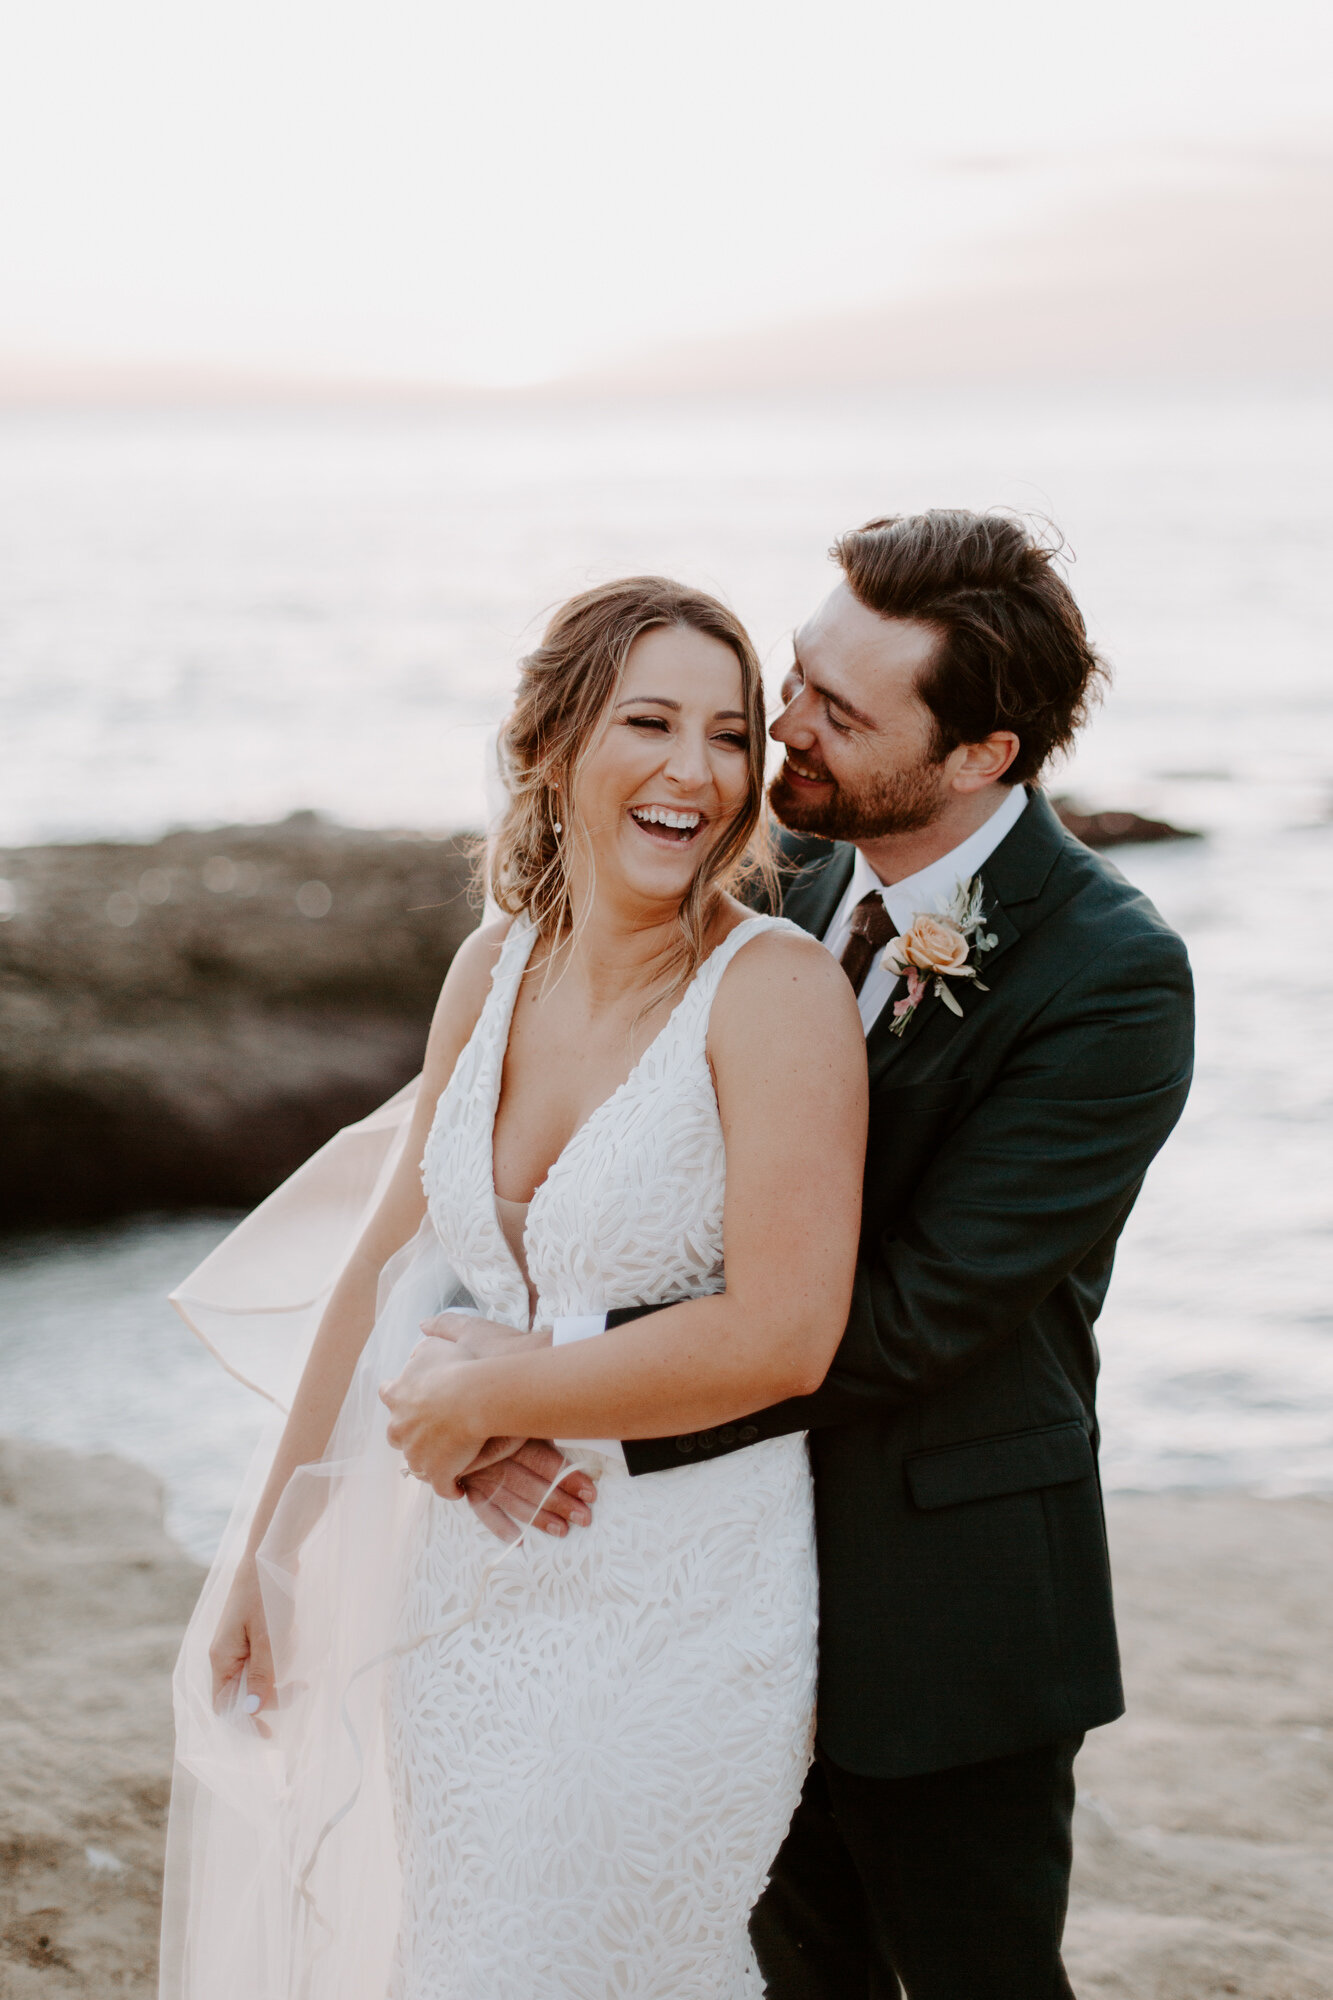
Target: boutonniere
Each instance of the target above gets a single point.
(935, 949)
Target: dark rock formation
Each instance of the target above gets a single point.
(1116, 829)
(182, 1023)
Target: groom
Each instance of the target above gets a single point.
(1017, 1097)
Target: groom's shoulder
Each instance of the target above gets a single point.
(1097, 917)
(801, 862)
(795, 852)
(1087, 888)
(1096, 975)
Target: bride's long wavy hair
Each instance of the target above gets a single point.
(565, 689)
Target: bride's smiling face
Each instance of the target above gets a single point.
(668, 768)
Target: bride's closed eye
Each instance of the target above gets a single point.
(734, 739)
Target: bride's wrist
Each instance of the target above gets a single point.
(479, 1409)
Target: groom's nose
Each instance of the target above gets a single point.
(792, 726)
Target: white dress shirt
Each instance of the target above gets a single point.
(929, 890)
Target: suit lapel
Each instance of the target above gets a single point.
(883, 1047)
(1012, 879)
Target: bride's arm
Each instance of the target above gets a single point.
(788, 1057)
(240, 1640)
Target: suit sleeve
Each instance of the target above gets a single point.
(1045, 1166)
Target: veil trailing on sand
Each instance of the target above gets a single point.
(281, 1874)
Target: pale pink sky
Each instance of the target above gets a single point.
(426, 189)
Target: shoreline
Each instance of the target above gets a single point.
(1204, 1828)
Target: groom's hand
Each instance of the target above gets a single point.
(507, 1488)
(475, 1339)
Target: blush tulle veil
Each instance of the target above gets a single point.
(281, 1871)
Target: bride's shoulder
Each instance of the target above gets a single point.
(773, 943)
(463, 994)
(784, 1029)
(784, 979)
(469, 976)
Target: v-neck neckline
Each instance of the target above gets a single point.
(500, 1049)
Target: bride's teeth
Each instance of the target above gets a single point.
(683, 822)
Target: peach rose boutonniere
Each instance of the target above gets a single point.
(935, 949)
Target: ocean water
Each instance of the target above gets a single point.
(226, 616)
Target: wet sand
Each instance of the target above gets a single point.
(1205, 1824)
(93, 1596)
(1204, 1858)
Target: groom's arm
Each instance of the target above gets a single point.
(1044, 1169)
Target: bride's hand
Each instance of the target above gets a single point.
(428, 1419)
(473, 1338)
(241, 1644)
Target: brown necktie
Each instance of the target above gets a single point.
(872, 927)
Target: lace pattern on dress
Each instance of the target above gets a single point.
(592, 1778)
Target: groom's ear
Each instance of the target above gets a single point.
(970, 767)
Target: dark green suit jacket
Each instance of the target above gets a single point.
(965, 1594)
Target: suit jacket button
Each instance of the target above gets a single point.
(685, 1443)
(727, 1434)
(748, 1433)
(706, 1440)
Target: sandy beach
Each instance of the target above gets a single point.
(1204, 1863)
(95, 1596)
(1205, 1823)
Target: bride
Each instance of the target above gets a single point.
(431, 1767)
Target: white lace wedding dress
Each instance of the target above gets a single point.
(591, 1776)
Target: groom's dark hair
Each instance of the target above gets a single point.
(1014, 652)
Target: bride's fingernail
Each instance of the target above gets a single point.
(252, 1704)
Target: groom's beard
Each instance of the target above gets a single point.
(897, 802)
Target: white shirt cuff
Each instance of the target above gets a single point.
(576, 1326)
(564, 1332)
